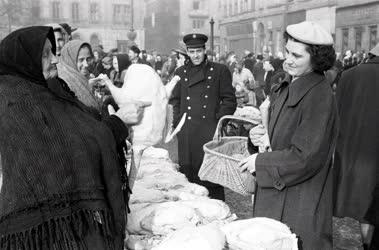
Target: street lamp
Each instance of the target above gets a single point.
(212, 22)
(131, 33)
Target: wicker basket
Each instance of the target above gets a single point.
(220, 164)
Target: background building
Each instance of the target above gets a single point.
(105, 22)
(356, 25)
(167, 21)
(258, 25)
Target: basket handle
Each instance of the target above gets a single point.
(217, 134)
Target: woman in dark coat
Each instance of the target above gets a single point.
(62, 176)
(294, 180)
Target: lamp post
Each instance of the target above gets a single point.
(212, 22)
(131, 33)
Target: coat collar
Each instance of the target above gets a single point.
(301, 86)
(200, 74)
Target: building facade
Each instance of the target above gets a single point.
(105, 22)
(167, 21)
(356, 25)
(258, 25)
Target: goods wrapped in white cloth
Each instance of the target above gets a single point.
(249, 112)
(168, 212)
(259, 234)
(208, 237)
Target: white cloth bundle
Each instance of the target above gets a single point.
(208, 237)
(259, 234)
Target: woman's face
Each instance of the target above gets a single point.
(83, 61)
(49, 61)
(298, 60)
(115, 64)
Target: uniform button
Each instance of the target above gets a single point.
(211, 69)
(206, 96)
(203, 116)
(208, 87)
(209, 77)
(188, 98)
(189, 118)
(185, 71)
(205, 106)
(186, 79)
(189, 108)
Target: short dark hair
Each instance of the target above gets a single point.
(323, 57)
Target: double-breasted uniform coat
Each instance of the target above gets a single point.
(294, 181)
(205, 93)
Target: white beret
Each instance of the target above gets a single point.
(310, 33)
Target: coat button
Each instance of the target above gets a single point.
(211, 69)
(208, 87)
(203, 116)
(205, 106)
(189, 118)
(188, 98)
(189, 108)
(206, 96)
(185, 79)
(209, 77)
(185, 71)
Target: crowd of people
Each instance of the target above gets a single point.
(64, 182)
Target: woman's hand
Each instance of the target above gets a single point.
(248, 164)
(259, 137)
(131, 112)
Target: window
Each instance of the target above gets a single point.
(55, 8)
(197, 24)
(75, 12)
(153, 19)
(121, 14)
(230, 9)
(196, 5)
(235, 6)
(94, 14)
(373, 36)
(345, 39)
(225, 10)
(358, 38)
(270, 35)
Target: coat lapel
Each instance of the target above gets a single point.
(276, 107)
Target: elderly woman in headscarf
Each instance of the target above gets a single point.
(64, 183)
(73, 68)
(121, 63)
(294, 175)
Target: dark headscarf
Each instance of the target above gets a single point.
(123, 62)
(21, 53)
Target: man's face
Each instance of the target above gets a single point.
(49, 61)
(196, 55)
(59, 42)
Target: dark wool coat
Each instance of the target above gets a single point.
(295, 179)
(62, 178)
(357, 152)
(205, 93)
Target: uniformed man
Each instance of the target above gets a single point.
(205, 93)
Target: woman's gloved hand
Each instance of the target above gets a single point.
(259, 137)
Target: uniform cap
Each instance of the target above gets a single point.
(195, 40)
(310, 33)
